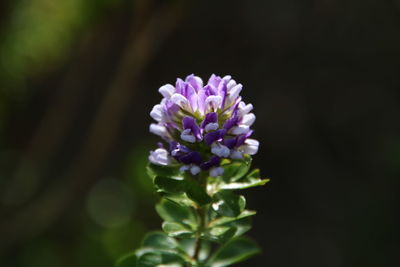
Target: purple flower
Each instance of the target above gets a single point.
(203, 123)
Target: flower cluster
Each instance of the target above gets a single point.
(202, 124)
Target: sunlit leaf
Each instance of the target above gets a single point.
(227, 203)
(176, 230)
(220, 234)
(170, 185)
(197, 193)
(159, 240)
(174, 212)
(236, 250)
(236, 170)
(224, 220)
(251, 180)
(173, 171)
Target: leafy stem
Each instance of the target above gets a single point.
(204, 218)
(201, 212)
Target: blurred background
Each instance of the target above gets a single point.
(79, 78)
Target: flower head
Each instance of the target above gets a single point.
(202, 124)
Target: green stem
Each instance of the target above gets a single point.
(202, 213)
(197, 248)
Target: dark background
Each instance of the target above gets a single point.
(79, 78)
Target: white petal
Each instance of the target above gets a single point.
(241, 129)
(216, 171)
(244, 109)
(195, 169)
(180, 100)
(187, 136)
(184, 168)
(252, 142)
(211, 127)
(235, 154)
(251, 146)
(235, 91)
(159, 157)
(158, 130)
(167, 90)
(214, 101)
(220, 150)
(227, 77)
(232, 83)
(157, 113)
(248, 119)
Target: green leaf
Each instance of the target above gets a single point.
(128, 260)
(174, 185)
(242, 225)
(154, 170)
(154, 258)
(220, 234)
(159, 241)
(188, 246)
(149, 259)
(236, 250)
(177, 230)
(228, 204)
(224, 220)
(251, 180)
(236, 170)
(174, 212)
(181, 199)
(197, 193)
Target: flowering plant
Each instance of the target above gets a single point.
(203, 160)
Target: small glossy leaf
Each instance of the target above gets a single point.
(176, 230)
(224, 220)
(236, 170)
(170, 185)
(220, 234)
(197, 193)
(181, 199)
(128, 260)
(242, 225)
(236, 250)
(147, 258)
(160, 241)
(188, 246)
(174, 212)
(251, 180)
(227, 203)
(154, 170)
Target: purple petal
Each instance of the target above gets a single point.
(213, 161)
(231, 122)
(214, 81)
(209, 90)
(190, 123)
(160, 145)
(177, 149)
(194, 81)
(211, 137)
(230, 143)
(192, 157)
(191, 96)
(201, 98)
(241, 138)
(173, 145)
(222, 91)
(180, 86)
(171, 108)
(211, 117)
